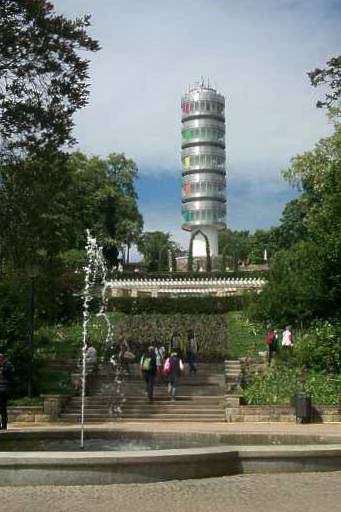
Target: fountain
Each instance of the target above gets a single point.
(117, 455)
(96, 265)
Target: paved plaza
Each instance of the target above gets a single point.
(302, 492)
(309, 492)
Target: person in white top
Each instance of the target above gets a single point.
(287, 338)
(91, 370)
(91, 353)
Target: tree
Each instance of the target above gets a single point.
(105, 201)
(234, 246)
(35, 210)
(154, 247)
(330, 77)
(305, 279)
(297, 288)
(293, 227)
(43, 78)
(318, 173)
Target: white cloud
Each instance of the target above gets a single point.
(258, 52)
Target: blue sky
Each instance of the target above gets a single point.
(257, 52)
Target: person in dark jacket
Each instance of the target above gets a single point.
(6, 374)
(191, 350)
(148, 370)
(177, 367)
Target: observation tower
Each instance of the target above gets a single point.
(203, 167)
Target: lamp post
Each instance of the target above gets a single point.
(32, 271)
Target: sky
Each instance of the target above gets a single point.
(256, 53)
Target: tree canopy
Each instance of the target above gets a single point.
(43, 76)
(331, 78)
(156, 246)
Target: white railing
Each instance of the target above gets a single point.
(190, 283)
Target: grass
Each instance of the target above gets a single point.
(244, 337)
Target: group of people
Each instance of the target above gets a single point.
(277, 339)
(158, 361)
(168, 364)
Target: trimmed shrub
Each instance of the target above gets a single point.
(144, 329)
(184, 305)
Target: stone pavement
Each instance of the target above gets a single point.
(309, 492)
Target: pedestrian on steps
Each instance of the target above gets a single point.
(148, 370)
(176, 368)
(191, 350)
(91, 366)
(273, 340)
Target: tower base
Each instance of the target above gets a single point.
(199, 263)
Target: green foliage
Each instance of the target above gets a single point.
(245, 337)
(234, 246)
(320, 347)
(278, 384)
(43, 79)
(190, 305)
(155, 246)
(330, 77)
(142, 330)
(105, 198)
(26, 402)
(296, 288)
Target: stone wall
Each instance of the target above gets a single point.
(277, 413)
(27, 414)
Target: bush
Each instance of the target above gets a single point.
(252, 274)
(279, 383)
(320, 347)
(142, 330)
(181, 305)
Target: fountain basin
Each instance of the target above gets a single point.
(218, 455)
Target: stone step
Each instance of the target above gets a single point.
(73, 419)
(174, 417)
(169, 404)
(164, 392)
(149, 411)
(156, 416)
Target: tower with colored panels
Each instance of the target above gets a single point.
(203, 166)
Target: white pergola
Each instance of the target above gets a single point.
(177, 287)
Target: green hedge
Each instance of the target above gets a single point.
(190, 275)
(184, 305)
(142, 330)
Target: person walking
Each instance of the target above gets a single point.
(176, 368)
(160, 353)
(287, 338)
(148, 370)
(175, 342)
(6, 375)
(125, 356)
(91, 366)
(191, 350)
(273, 339)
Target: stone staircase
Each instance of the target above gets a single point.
(200, 398)
(233, 373)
